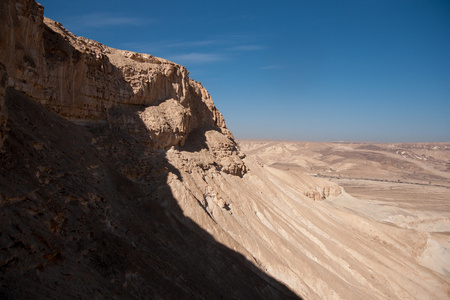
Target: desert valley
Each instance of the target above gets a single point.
(405, 185)
(120, 180)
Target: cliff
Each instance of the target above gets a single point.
(119, 179)
(89, 83)
(85, 209)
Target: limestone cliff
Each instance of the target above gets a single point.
(3, 113)
(119, 179)
(89, 83)
(85, 209)
(82, 80)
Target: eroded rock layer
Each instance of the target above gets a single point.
(119, 179)
(85, 210)
(85, 81)
(74, 225)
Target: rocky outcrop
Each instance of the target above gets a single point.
(76, 224)
(21, 47)
(3, 113)
(119, 179)
(322, 193)
(85, 81)
(85, 206)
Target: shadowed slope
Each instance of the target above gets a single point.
(72, 226)
(145, 197)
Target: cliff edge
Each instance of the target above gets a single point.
(85, 208)
(120, 180)
(89, 83)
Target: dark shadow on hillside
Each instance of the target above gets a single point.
(88, 214)
(220, 270)
(196, 140)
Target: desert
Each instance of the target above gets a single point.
(405, 185)
(119, 179)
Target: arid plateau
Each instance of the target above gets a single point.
(120, 180)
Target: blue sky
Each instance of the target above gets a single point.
(353, 70)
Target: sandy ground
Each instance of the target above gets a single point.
(93, 212)
(423, 208)
(339, 248)
(401, 185)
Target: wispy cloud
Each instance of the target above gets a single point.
(175, 46)
(226, 42)
(271, 67)
(213, 49)
(247, 48)
(200, 43)
(97, 20)
(196, 57)
(232, 44)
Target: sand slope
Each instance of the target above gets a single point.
(403, 228)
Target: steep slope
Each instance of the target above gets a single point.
(389, 184)
(119, 179)
(85, 210)
(74, 227)
(317, 249)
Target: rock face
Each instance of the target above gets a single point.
(119, 179)
(3, 113)
(85, 209)
(73, 225)
(85, 81)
